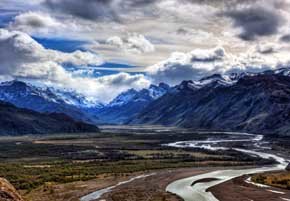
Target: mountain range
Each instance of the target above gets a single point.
(257, 103)
(128, 104)
(48, 100)
(251, 102)
(77, 106)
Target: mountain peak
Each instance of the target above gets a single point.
(213, 77)
(257, 103)
(186, 85)
(164, 86)
(15, 83)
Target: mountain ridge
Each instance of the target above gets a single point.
(47, 100)
(257, 103)
(19, 121)
(129, 103)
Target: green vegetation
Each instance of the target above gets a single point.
(30, 162)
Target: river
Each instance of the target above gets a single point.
(184, 189)
(98, 194)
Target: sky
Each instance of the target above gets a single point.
(103, 47)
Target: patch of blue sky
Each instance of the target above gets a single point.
(93, 71)
(115, 65)
(6, 18)
(90, 72)
(64, 45)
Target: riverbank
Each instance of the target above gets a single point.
(187, 192)
(239, 190)
(152, 188)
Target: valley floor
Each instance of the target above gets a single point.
(67, 167)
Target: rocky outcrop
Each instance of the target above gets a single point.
(8, 192)
(288, 167)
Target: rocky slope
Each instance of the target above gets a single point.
(17, 121)
(258, 103)
(8, 192)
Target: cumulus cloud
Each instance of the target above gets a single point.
(43, 24)
(23, 57)
(103, 88)
(188, 66)
(134, 43)
(18, 48)
(203, 62)
(34, 20)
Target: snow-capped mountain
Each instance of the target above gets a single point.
(217, 80)
(123, 98)
(129, 103)
(144, 95)
(47, 100)
(72, 98)
(252, 102)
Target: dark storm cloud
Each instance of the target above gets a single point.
(88, 9)
(285, 38)
(96, 9)
(255, 19)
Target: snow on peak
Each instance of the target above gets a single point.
(17, 90)
(132, 95)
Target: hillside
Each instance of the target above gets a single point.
(257, 103)
(17, 121)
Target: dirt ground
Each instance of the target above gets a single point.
(239, 190)
(151, 188)
(146, 189)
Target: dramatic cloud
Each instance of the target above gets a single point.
(134, 43)
(103, 88)
(18, 48)
(203, 62)
(267, 48)
(188, 66)
(96, 9)
(35, 20)
(285, 38)
(256, 19)
(188, 27)
(23, 57)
